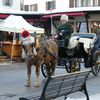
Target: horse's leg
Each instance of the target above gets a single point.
(29, 80)
(37, 71)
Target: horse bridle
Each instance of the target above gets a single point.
(28, 52)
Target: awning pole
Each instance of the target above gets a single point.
(51, 22)
(87, 22)
(12, 50)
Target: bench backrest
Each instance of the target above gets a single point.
(63, 85)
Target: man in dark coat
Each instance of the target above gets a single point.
(64, 32)
(64, 29)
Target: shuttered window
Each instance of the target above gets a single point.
(71, 3)
(7, 2)
(26, 7)
(95, 2)
(50, 5)
(21, 4)
(34, 7)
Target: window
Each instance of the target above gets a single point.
(88, 3)
(83, 3)
(26, 8)
(21, 4)
(50, 5)
(71, 3)
(77, 3)
(95, 2)
(7, 2)
(34, 7)
(83, 27)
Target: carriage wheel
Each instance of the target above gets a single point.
(72, 65)
(96, 67)
(75, 65)
(44, 70)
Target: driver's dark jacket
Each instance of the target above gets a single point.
(66, 29)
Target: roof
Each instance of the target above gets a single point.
(17, 24)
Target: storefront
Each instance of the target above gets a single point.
(11, 47)
(82, 21)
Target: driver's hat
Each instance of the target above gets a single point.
(64, 17)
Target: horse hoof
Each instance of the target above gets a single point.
(27, 85)
(37, 84)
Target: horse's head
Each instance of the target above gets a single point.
(29, 50)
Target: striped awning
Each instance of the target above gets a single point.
(67, 13)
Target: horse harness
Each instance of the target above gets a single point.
(45, 45)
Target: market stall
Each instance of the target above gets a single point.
(14, 25)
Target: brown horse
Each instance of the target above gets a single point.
(47, 53)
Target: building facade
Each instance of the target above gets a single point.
(58, 6)
(92, 7)
(46, 6)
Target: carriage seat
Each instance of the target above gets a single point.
(87, 39)
(85, 35)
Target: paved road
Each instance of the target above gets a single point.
(13, 76)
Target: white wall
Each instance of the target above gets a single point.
(61, 5)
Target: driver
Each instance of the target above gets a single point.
(64, 29)
(64, 32)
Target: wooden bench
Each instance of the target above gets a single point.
(63, 85)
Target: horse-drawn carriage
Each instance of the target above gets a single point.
(82, 48)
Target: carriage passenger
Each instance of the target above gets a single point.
(28, 39)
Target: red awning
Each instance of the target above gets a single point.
(67, 13)
(3, 16)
